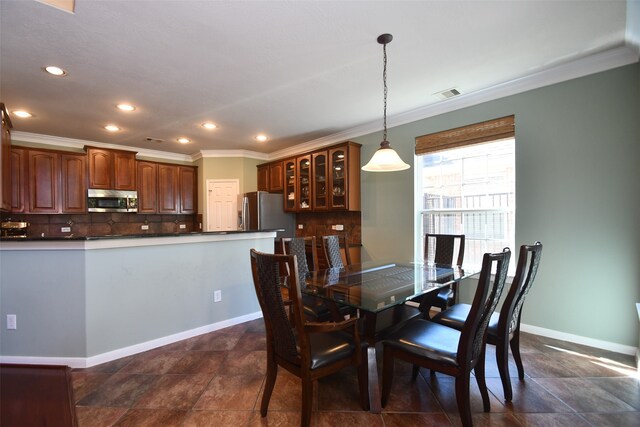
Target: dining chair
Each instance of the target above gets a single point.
(304, 248)
(504, 328)
(441, 249)
(440, 348)
(331, 246)
(308, 350)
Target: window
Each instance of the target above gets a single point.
(468, 189)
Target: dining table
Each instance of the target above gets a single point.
(383, 295)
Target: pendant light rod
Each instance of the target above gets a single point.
(385, 159)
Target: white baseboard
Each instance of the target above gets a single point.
(591, 342)
(87, 362)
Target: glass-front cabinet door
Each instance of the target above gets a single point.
(304, 183)
(290, 199)
(319, 179)
(338, 182)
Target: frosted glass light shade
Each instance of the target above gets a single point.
(385, 159)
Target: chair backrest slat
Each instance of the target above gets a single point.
(442, 248)
(528, 262)
(490, 287)
(331, 245)
(267, 281)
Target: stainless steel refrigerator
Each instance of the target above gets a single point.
(265, 211)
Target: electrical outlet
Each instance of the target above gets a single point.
(183, 226)
(144, 227)
(339, 227)
(333, 227)
(12, 321)
(300, 226)
(217, 296)
(66, 229)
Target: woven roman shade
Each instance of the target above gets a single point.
(490, 130)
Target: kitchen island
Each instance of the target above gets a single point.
(88, 300)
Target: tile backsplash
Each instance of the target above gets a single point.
(103, 224)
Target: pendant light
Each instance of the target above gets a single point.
(385, 159)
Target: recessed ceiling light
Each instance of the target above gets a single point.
(261, 138)
(125, 107)
(22, 114)
(209, 125)
(112, 128)
(56, 71)
(184, 140)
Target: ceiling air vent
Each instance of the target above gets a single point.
(446, 94)
(158, 140)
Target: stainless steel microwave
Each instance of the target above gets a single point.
(112, 201)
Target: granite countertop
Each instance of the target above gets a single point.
(129, 236)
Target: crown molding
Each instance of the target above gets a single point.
(231, 153)
(79, 144)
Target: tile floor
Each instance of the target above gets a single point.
(216, 379)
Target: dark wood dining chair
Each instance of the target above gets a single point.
(308, 350)
(305, 249)
(504, 328)
(441, 249)
(440, 348)
(331, 246)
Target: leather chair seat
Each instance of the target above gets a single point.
(427, 339)
(455, 317)
(328, 348)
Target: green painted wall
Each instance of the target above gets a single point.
(577, 178)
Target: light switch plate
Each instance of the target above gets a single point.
(66, 229)
(182, 226)
(144, 227)
(339, 227)
(300, 226)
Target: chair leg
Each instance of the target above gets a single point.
(462, 398)
(272, 373)
(387, 375)
(482, 384)
(363, 381)
(502, 359)
(515, 350)
(307, 399)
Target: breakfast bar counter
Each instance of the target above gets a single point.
(88, 300)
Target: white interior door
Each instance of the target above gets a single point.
(222, 204)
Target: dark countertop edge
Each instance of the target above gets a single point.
(135, 236)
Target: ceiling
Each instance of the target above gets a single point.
(297, 71)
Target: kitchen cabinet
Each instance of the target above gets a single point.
(166, 188)
(5, 161)
(344, 177)
(43, 172)
(271, 177)
(188, 186)
(290, 191)
(319, 163)
(111, 169)
(276, 177)
(73, 184)
(303, 183)
(18, 180)
(263, 177)
(147, 187)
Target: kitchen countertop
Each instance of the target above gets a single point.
(130, 236)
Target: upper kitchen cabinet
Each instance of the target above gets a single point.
(319, 161)
(263, 177)
(167, 189)
(304, 183)
(188, 187)
(48, 182)
(270, 177)
(276, 177)
(344, 177)
(111, 169)
(290, 180)
(73, 186)
(5, 161)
